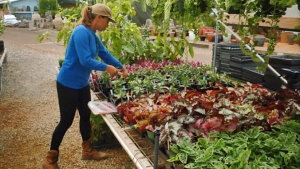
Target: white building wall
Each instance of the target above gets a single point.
(293, 12)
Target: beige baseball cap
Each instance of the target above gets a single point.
(102, 10)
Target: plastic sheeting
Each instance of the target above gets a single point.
(10, 20)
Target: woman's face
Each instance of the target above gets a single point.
(101, 22)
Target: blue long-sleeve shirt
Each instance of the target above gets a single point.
(80, 58)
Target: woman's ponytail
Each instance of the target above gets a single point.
(87, 16)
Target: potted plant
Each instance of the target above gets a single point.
(101, 134)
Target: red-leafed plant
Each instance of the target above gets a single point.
(196, 114)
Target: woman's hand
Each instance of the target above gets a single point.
(124, 72)
(111, 70)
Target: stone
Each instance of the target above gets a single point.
(24, 24)
(48, 20)
(36, 19)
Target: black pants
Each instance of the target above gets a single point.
(69, 100)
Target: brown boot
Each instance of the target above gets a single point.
(51, 160)
(89, 153)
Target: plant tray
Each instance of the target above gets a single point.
(272, 82)
(225, 64)
(252, 75)
(235, 71)
(280, 71)
(241, 65)
(288, 60)
(228, 46)
(217, 64)
(227, 55)
(224, 67)
(241, 58)
(234, 75)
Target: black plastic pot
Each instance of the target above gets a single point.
(105, 90)
(202, 37)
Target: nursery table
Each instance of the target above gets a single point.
(139, 149)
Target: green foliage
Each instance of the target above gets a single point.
(73, 12)
(243, 150)
(2, 27)
(47, 5)
(100, 130)
(43, 36)
(124, 39)
(184, 12)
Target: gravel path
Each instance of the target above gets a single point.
(29, 114)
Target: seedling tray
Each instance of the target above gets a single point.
(241, 65)
(241, 58)
(272, 82)
(228, 46)
(235, 75)
(252, 75)
(236, 71)
(288, 60)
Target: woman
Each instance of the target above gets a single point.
(72, 81)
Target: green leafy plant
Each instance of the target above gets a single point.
(250, 149)
(2, 27)
(47, 5)
(100, 130)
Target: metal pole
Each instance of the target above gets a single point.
(216, 43)
(257, 55)
(156, 147)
